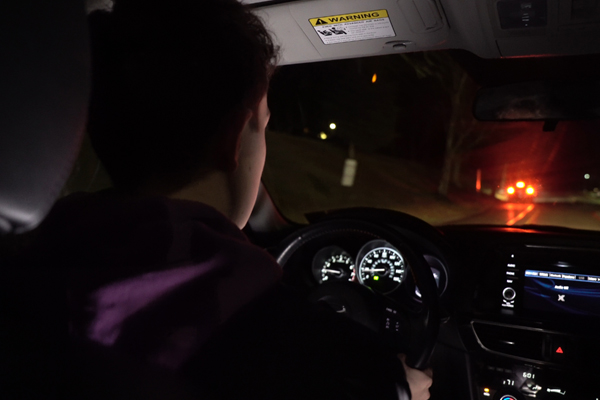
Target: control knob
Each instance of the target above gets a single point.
(509, 293)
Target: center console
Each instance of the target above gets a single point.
(536, 323)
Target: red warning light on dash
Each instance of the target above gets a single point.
(560, 351)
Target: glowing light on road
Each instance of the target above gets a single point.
(521, 215)
(510, 190)
(374, 78)
(520, 184)
(530, 190)
(587, 176)
(323, 135)
(332, 126)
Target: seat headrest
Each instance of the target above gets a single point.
(45, 84)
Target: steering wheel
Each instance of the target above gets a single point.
(405, 328)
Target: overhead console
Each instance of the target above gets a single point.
(544, 27)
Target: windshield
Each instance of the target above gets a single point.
(397, 132)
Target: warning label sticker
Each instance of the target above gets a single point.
(353, 27)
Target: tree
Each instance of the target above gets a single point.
(458, 89)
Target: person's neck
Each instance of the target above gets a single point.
(213, 190)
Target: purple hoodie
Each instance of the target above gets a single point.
(151, 276)
(176, 284)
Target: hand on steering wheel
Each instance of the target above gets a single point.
(418, 381)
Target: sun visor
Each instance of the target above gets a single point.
(344, 29)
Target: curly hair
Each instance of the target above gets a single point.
(167, 75)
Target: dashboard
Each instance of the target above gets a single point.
(529, 324)
(520, 307)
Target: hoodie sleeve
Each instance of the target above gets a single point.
(282, 347)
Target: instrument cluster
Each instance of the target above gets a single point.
(378, 265)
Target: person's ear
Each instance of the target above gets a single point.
(228, 147)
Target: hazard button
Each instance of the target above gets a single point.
(560, 349)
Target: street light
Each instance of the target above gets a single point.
(332, 126)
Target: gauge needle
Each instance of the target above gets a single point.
(332, 271)
(374, 269)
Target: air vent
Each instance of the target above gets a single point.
(511, 341)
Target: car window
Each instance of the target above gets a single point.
(88, 173)
(397, 132)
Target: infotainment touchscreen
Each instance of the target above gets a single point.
(553, 291)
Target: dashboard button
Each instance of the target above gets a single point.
(509, 293)
(487, 392)
(560, 349)
(556, 391)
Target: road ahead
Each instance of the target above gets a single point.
(569, 215)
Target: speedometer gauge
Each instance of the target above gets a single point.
(381, 267)
(333, 264)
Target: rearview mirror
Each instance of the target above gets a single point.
(539, 100)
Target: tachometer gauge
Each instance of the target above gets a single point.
(381, 267)
(333, 264)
